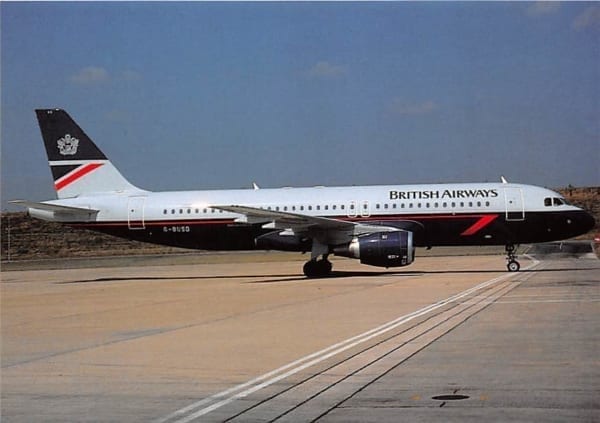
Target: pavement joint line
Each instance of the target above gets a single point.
(483, 304)
(274, 376)
(496, 292)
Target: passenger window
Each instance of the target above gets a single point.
(342, 207)
(165, 211)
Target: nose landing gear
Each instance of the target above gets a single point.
(512, 265)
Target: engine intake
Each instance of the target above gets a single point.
(383, 249)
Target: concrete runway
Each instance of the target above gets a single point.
(446, 339)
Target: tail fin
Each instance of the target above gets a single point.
(78, 166)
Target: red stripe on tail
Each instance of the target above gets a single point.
(78, 173)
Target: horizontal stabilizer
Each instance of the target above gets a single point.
(53, 207)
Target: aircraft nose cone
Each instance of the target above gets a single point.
(587, 221)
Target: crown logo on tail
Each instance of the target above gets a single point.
(67, 146)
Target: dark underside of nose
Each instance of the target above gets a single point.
(585, 221)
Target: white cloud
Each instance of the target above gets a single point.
(590, 17)
(541, 8)
(90, 75)
(326, 69)
(398, 107)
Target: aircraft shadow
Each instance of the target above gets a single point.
(336, 274)
(167, 278)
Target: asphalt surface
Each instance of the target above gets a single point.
(446, 339)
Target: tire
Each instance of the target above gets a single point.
(513, 266)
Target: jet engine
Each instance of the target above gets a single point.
(383, 249)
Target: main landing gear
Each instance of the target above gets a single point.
(315, 268)
(513, 265)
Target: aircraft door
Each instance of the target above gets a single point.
(515, 209)
(135, 212)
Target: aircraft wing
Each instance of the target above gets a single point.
(324, 230)
(53, 207)
(285, 220)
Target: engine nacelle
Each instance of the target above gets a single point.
(383, 249)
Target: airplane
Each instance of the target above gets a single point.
(378, 225)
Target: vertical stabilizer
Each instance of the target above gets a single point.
(77, 164)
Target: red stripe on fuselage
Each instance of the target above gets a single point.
(482, 220)
(78, 173)
(479, 225)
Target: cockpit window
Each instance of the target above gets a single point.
(555, 201)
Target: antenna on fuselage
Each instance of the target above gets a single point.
(503, 179)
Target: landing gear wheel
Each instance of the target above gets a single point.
(513, 266)
(317, 268)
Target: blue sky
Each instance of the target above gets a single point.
(218, 95)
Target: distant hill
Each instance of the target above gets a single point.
(24, 238)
